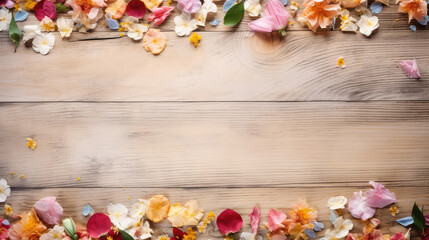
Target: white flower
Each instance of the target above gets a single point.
(342, 227)
(5, 18)
(47, 25)
(253, 7)
(135, 31)
(249, 236)
(209, 6)
(140, 230)
(4, 190)
(329, 235)
(65, 26)
(54, 234)
(367, 24)
(201, 17)
(348, 23)
(30, 31)
(338, 202)
(184, 24)
(43, 43)
(138, 210)
(118, 214)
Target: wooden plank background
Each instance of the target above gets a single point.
(243, 119)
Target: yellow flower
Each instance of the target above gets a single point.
(158, 208)
(202, 226)
(394, 210)
(22, 176)
(8, 210)
(30, 4)
(186, 215)
(195, 39)
(189, 235)
(163, 237)
(31, 143)
(12, 173)
(17, 7)
(341, 63)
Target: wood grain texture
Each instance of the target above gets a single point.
(226, 67)
(216, 144)
(241, 200)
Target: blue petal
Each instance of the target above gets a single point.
(318, 226)
(215, 22)
(334, 216)
(310, 233)
(228, 4)
(407, 221)
(333, 23)
(413, 27)
(5, 222)
(425, 20)
(21, 16)
(376, 7)
(284, 2)
(86, 210)
(113, 24)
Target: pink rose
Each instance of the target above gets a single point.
(49, 210)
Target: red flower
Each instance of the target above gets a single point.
(45, 8)
(229, 222)
(160, 14)
(136, 8)
(178, 234)
(99, 224)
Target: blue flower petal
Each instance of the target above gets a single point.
(5, 222)
(228, 4)
(318, 226)
(413, 27)
(284, 2)
(407, 221)
(334, 216)
(310, 233)
(333, 23)
(376, 7)
(21, 16)
(215, 22)
(425, 20)
(86, 210)
(113, 24)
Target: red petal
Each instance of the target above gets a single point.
(98, 224)
(45, 8)
(229, 222)
(178, 234)
(136, 8)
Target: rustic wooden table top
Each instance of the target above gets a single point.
(243, 119)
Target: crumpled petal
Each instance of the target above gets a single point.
(275, 219)
(318, 226)
(379, 197)
(98, 224)
(359, 208)
(45, 8)
(410, 68)
(398, 236)
(255, 218)
(49, 210)
(229, 221)
(136, 8)
(263, 24)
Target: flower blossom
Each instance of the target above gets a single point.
(30, 31)
(337, 202)
(189, 214)
(65, 26)
(379, 197)
(351, 3)
(416, 9)
(116, 8)
(189, 6)
(201, 15)
(275, 219)
(275, 18)
(318, 14)
(184, 24)
(4, 228)
(55, 233)
(29, 227)
(49, 210)
(159, 14)
(4, 190)
(359, 208)
(367, 24)
(135, 31)
(410, 68)
(154, 41)
(43, 43)
(5, 18)
(253, 7)
(158, 205)
(348, 23)
(86, 13)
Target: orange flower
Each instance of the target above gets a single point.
(158, 208)
(318, 13)
(117, 9)
(30, 226)
(154, 41)
(303, 214)
(415, 8)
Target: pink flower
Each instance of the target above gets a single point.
(379, 197)
(255, 218)
(398, 236)
(318, 13)
(410, 68)
(49, 210)
(229, 221)
(4, 229)
(98, 224)
(189, 6)
(45, 8)
(275, 18)
(160, 14)
(275, 219)
(359, 208)
(136, 8)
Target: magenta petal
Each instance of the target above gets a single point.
(98, 224)
(136, 8)
(359, 208)
(160, 14)
(379, 197)
(229, 221)
(263, 24)
(410, 68)
(275, 219)
(49, 210)
(45, 8)
(398, 236)
(255, 218)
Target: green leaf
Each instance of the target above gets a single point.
(234, 14)
(61, 8)
(418, 218)
(14, 33)
(125, 235)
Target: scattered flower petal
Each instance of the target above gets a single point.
(229, 221)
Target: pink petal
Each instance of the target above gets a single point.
(229, 222)
(379, 197)
(275, 219)
(136, 8)
(49, 210)
(359, 208)
(350, 236)
(255, 218)
(98, 224)
(375, 222)
(275, 9)
(410, 68)
(263, 24)
(398, 236)
(45, 8)
(160, 14)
